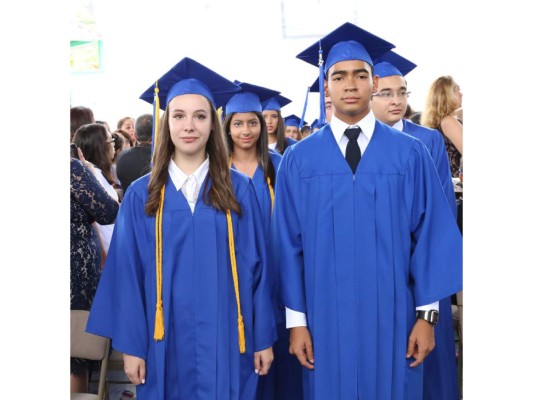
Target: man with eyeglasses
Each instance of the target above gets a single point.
(389, 105)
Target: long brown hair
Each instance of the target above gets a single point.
(261, 146)
(281, 140)
(92, 140)
(220, 195)
(126, 135)
(79, 116)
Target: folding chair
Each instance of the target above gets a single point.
(115, 372)
(91, 347)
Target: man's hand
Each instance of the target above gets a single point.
(301, 346)
(135, 368)
(263, 360)
(421, 342)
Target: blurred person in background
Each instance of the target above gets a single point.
(128, 124)
(136, 161)
(442, 104)
(79, 116)
(97, 145)
(89, 203)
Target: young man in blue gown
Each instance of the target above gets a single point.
(366, 245)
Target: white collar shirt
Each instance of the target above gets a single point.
(367, 130)
(189, 184)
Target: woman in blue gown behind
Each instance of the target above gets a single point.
(247, 135)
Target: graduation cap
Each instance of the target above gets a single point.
(190, 77)
(186, 77)
(316, 124)
(347, 42)
(391, 63)
(248, 99)
(275, 103)
(293, 120)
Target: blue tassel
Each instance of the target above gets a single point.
(301, 124)
(322, 118)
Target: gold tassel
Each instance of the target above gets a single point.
(240, 321)
(159, 329)
(271, 194)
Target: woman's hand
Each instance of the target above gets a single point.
(135, 368)
(263, 360)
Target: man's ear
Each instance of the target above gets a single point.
(375, 80)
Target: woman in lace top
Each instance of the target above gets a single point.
(444, 99)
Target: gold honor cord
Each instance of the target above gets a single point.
(271, 194)
(240, 322)
(159, 330)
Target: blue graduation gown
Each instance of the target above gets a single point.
(433, 140)
(262, 191)
(284, 380)
(357, 254)
(440, 367)
(199, 355)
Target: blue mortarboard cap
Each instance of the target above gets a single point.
(391, 63)
(315, 87)
(248, 99)
(347, 42)
(313, 124)
(190, 77)
(293, 120)
(275, 103)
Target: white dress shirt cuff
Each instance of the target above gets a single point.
(432, 306)
(295, 318)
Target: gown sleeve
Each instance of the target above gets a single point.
(119, 308)
(286, 235)
(252, 244)
(442, 163)
(436, 254)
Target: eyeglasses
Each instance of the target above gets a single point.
(111, 141)
(389, 94)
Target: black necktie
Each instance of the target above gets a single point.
(353, 152)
